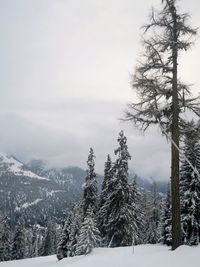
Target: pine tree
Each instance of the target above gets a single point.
(165, 225)
(35, 241)
(121, 226)
(89, 236)
(138, 213)
(145, 206)
(154, 215)
(76, 222)
(5, 245)
(28, 243)
(19, 240)
(190, 188)
(106, 190)
(162, 97)
(63, 246)
(49, 242)
(150, 206)
(90, 186)
(41, 233)
(107, 177)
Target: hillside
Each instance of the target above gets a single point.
(36, 196)
(144, 256)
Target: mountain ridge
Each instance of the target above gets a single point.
(36, 192)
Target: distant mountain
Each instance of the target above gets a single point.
(70, 179)
(38, 192)
(147, 183)
(36, 195)
(9, 164)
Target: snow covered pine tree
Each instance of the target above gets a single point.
(89, 236)
(70, 235)
(63, 249)
(90, 186)
(190, 187)
(106, 190)
(19, 242)
(165, 224)
(121, 226)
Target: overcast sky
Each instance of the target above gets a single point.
(65, 80)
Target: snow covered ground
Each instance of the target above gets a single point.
(144, 256)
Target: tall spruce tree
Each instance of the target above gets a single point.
(165, 224)
(90, 186)
(190, 187)
(19, 240)
(121, 226)
(89, 236)
(162, 97)
(107, 178)
(106, 190)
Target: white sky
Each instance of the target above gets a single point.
(65, 80)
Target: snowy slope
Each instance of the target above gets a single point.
(144, 256)
(12, 165)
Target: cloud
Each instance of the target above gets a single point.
(63, 134)
(65, 80)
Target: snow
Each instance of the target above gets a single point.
(143, 256)
(50, 193)
(26, 205)
(16, 167)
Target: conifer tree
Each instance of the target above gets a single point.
(107, 178)
(89, 236)
(35, 241)
(49, 242)
(166, 220)
(150, 206)
(5, 244)
(63, 245)
(138, 213)
(90, 186)
(106, 190)
(19, 240)
(76, 221)
(154, 215)
(145, 206)
(121, 226)
(28, 243)
(162, 97)
(190, 187)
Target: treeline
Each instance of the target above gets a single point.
(23, 242)
(120, 215)
(124, 215)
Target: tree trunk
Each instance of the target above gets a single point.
(176, 224)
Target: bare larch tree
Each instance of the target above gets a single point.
(162, 98)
